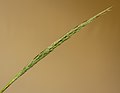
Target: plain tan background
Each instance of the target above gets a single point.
(89, 62)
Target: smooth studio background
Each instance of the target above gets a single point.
(89, 62)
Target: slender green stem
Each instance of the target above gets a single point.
(50, 48)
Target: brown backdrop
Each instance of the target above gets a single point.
(87, 63)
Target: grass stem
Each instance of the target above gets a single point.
(50, 48)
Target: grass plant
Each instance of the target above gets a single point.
(50, 48)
